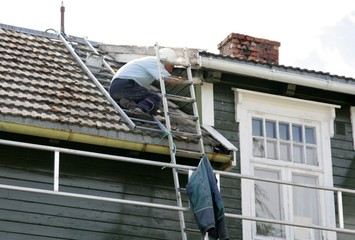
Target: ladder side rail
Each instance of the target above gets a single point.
(171, 146)
(194, 104)
(107, 66)
(97, 83)
(162, 89)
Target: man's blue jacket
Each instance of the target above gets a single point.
(206, 202)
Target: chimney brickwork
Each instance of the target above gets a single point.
(250, 48)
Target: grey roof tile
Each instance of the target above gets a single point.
(45, 82)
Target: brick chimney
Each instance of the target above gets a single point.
(250, 48)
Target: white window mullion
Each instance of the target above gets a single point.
(288, 203)
(304, 147)
(265, 138)
(291, 141)
(278, 142)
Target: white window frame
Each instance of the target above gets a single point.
(249, 104)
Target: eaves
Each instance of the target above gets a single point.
(280, 73)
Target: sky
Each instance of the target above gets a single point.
(314, 34)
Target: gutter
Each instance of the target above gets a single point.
(275, 75)
(101, 141)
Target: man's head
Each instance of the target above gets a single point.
(167, 55)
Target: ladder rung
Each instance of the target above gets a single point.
(189, 152)
(139, 117)
(184, 171)
(178, 81)
(179, 98)
(142, 120)
(182, 189)
(182, 116)
(192, 230)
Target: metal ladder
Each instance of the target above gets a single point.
(132, 122)
(171, 133)
(167, 129)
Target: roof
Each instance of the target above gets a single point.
(45, 92)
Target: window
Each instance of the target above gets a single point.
(285, 139)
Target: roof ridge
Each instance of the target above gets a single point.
(29, 31)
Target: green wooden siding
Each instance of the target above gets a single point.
(343, 157)
(25, 215)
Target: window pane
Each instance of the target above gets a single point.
(305, 207)
(258, 147)
(298, 153)
(285, 152)
(311, 156)
(310, 138)
(271, 149)
(297, 133)
(268, 204)
(284, 131)
(270, 129)
(257, 127)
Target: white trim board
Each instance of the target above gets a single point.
(352, 115)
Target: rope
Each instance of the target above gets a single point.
(168, 133)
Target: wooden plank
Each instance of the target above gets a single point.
(348, 173)
(223, 93)
(343, 154)
(15, 235)
(225, 116)
(90, 223)
(340, 162)
(342, 144)
(224, 106)
(223, 125)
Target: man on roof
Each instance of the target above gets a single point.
(130, 85)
